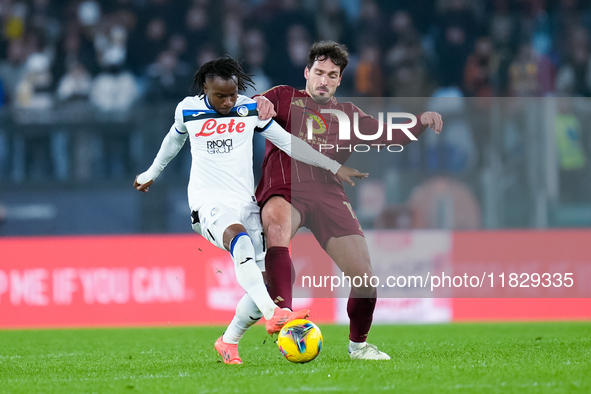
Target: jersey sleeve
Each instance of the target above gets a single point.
(171, 145)
(295, 147)
(179, 123)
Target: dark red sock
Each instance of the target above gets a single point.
(280, 275)
(360, 311)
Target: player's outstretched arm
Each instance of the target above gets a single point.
(432, 120)
(297, 148)
(171, 145)
(346, 173)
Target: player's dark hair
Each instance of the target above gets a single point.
(224, 67)
(323, 50)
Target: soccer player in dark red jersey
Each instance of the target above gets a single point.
(305, 196)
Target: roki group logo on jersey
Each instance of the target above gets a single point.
(345, 129)
(212, 126)
(219, 146)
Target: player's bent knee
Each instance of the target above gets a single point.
(276, 210)
(277, 235)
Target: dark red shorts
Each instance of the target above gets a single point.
(324, 207)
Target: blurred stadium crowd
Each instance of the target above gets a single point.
(114, 52)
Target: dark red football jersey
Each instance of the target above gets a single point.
(293, 108)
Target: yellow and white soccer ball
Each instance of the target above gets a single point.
(300, 341)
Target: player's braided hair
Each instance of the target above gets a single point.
(323, 50)
(224, 67)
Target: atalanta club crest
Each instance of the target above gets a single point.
(242, 110)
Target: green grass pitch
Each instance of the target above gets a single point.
(458, 358)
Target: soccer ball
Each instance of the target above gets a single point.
(300, 341)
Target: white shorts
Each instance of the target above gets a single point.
(215, 217)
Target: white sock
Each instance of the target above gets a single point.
(247, 314)
(353, 346)
(249, 275)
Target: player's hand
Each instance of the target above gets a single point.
(142, 187)
(265, 108)
(346, 173)
(433, 120)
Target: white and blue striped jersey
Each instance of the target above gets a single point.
(221, 150)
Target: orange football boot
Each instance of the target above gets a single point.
(282, 317)
(228, 351)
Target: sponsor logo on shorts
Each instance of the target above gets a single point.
(219, 146)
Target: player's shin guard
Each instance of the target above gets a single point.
(249, 275)
(360, 311)
(247, 314)
(280, 275)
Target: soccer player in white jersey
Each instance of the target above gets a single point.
(220, 125)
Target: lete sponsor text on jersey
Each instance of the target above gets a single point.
(212, 126)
